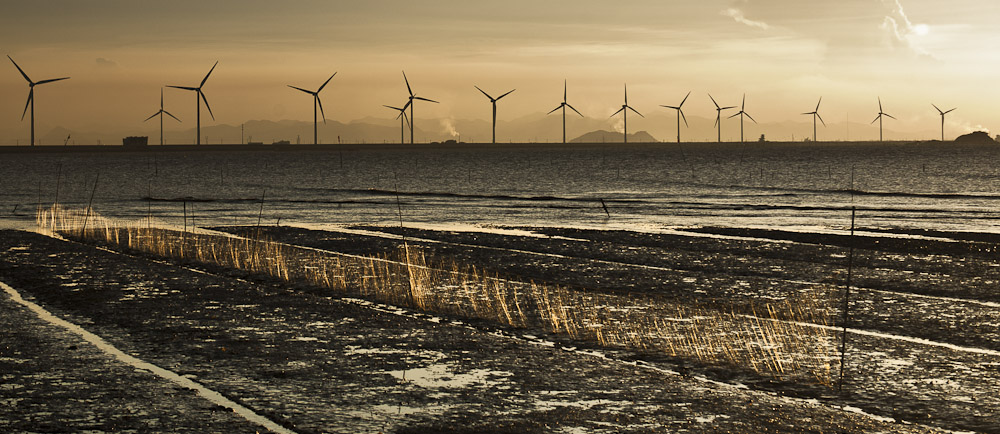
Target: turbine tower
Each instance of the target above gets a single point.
(718, 115)
(815, 115)
(942, 118)
(742, 113)
(160, 114)
(563, 107)
(410, 104)
(401, 117)
(198, 98)
(494, 101)
(878, 118)
(624, 111)
(680, 115)
(31, 96)
(316, 103)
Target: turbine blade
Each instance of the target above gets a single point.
(671, 107)
(299, 88)
(685, 99)
(949, 111)
(508, 93)
(564, 90)
(484, 92)
(633, 110)
(400, 114)
(717, 120)
(880, 104)
(818, 103)
(203, 98)
(19, 69)
(406, 118)
(685, 118)
(320, 102)
(325, 83)
(713, 101)
(209, 73)
(615, 113)
(936, 108)
(626, 94)
(425, 99)
(168, 114)
(31, 97)
(408, 89)
(394, 108)
(407, 105)
(751, 117)
(744, 104)
(810, 113)
(821, 119)
(184, 87)
(890, 116)
(51, 80)
(153, 115)
(574, 109)
(876, 118)
(728, 108)
(556, 109)
(735, 115)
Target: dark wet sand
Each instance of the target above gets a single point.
(318, 363)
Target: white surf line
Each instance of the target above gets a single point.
(890, 336)
(640, 266)
(104, 346)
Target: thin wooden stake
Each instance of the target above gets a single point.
(90, 204)
(847, 292)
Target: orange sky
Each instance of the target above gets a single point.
(783, 54)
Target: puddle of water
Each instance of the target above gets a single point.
(441, 375)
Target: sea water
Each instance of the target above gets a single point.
(643, 187)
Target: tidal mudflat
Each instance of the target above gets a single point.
(537, 329)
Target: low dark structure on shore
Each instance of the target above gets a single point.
(135, 142)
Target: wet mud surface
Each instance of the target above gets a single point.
(314, 362)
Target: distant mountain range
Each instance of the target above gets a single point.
(527, 129)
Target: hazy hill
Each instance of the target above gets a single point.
(602, 136)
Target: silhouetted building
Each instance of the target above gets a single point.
(135, 141)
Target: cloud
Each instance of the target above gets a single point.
(737, 15)
(105, 63)
(900, 30)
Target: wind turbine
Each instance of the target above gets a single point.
(198, 98)
(31, 96)
(401, 117)
(563, 107)
(879, 118)
(718, 115)
(942, 119)
(316, 102)
(160, 114)
(624, 111)
(410, 104)
(680, 114)
(815, 114)
(742, 113)
(494, 101)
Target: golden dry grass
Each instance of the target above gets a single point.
(777, 339)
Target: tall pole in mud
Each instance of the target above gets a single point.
(847, 292)
(90, 205)
(406, 247)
